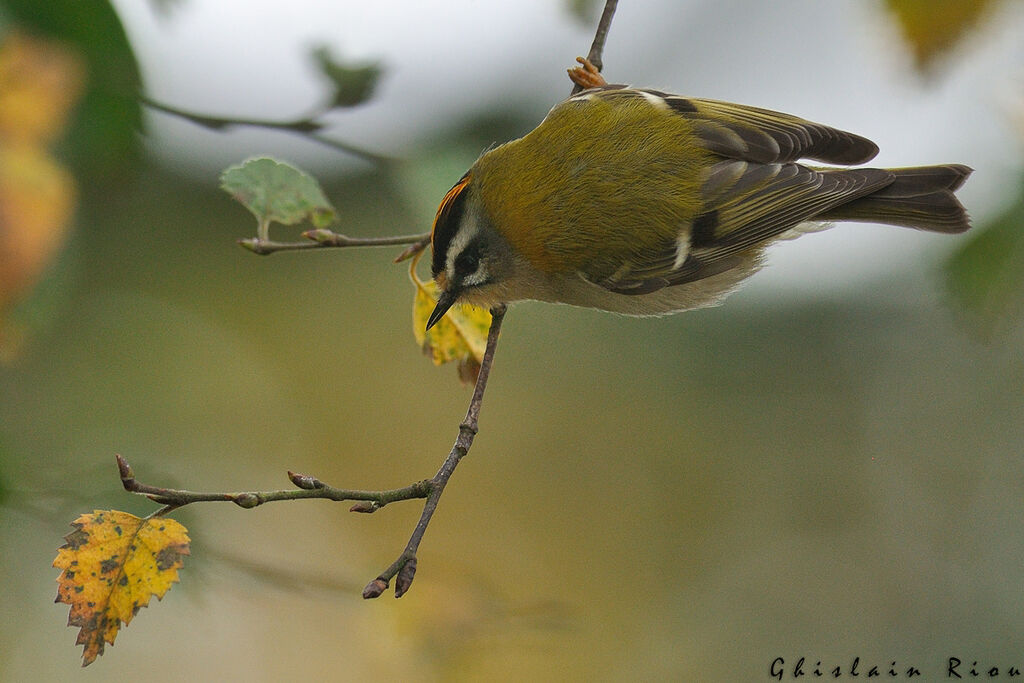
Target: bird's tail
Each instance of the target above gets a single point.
(920, 198)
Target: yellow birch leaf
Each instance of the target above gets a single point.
(112, 563)
(461, 335)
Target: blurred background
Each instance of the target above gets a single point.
(828, 466)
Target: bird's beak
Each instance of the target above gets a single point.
(444, 302)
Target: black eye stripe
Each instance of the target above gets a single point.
(446, 223)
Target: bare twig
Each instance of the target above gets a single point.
(600, 36)
(307, 126)
(322, 238)
(308, 488)
(404, 568)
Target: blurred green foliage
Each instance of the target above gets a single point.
(353, 83)
(987, 273)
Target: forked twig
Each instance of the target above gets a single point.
(368, 501)
(405, 566)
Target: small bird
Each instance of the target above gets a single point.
(644, 203)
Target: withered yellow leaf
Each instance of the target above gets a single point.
(112, 563)
(461, 335)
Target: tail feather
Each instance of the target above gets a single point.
(920, 198)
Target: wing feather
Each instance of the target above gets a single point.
(748, 133)
(794, 138)
(792, 194)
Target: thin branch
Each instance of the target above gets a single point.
(348, 148)
(405, 566)
(322, 238)
(307, 126)
(600, 36)
(308, 488)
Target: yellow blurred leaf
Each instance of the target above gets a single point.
(40, 80)
(112, 563)
(36, 202)
(931, 27)
(461, 335)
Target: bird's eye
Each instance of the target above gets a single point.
(467, 262)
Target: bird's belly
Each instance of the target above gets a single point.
(575, 290)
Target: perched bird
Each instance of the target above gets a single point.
(644, 203)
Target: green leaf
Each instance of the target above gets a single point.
(277, 192)
(353, 83)
(987, 273)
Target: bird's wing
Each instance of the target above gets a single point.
(746, 204)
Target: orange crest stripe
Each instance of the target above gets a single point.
(446, 222)
(446, 202)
